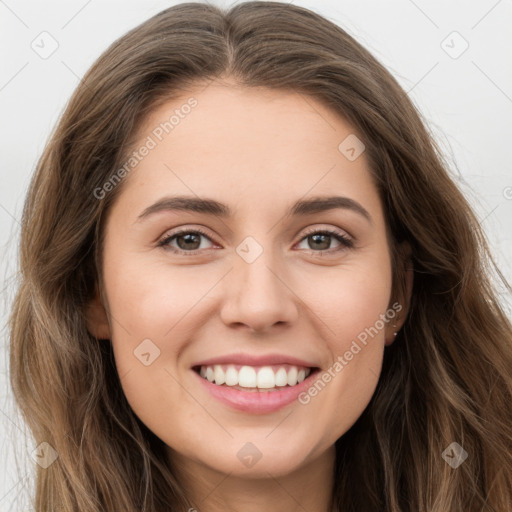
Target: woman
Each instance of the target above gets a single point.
(330, 341)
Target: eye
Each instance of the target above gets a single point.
(320, 240)
(188, 241)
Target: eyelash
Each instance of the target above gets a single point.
(346, 242)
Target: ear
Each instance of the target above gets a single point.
(403, 296)
(96, 317)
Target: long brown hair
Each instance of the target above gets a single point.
(446, 378)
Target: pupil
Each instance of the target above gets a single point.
(189, 239)
(316, 239)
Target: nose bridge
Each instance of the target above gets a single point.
(255, 293)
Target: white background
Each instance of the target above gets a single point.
(467, 102)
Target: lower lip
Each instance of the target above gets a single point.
(257, 402)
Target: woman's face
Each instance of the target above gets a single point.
(275, 287)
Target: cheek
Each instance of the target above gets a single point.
(352, 298)
(154, 311)
(150, 300)
(352, 314)
(150, 310)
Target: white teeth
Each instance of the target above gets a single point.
(281, 377)
(266, 378)
(292, 376)
(248, 377)
(231, 376)
(219, 374)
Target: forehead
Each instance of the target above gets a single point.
(246, 144)
(254, 118)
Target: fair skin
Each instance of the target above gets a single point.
(258, 151)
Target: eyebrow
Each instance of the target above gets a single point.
(213, 207)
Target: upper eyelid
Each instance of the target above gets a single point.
(336, 230)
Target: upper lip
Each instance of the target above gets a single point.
(251, 360)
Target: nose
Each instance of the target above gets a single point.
(257, 296)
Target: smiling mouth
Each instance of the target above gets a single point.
(255, 378)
